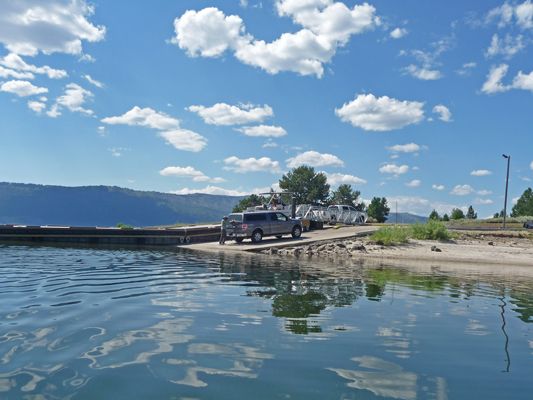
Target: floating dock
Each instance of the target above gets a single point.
(107, 235)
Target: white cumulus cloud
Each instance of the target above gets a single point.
(15, 62)
(326, 25)
(445, 114)
(212, 190)
(406, 148)
(189, 172)
(338, 179)
(394, 169)
(181, 139)
(524, 82)
(314, 159)
(21, 88)
(93, 81)
(209, 32)
(30, 26)
(224, 114)
(414, 183)
(522, 14)
(398, 33)
(36, 106)
(423, 73)
(54, 111)
(496, 74)
(6, 73)
(481, 172)
(438, 187)
(184, 139)
(74, 97)
(467, 69)
(380, 114)
(493, 83)
(462, 190)
(263, 130)
(145, 117)
(507, 47)
(264, 164)
(481, 201)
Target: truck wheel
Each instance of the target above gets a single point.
(296, 232)
(257, 236)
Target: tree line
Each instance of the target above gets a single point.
(310, 187)
(456, 213)
(522, 208)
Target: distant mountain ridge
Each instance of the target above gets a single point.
(406, 218)
(31, 204)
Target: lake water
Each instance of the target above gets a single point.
(103, 323)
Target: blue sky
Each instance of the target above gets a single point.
(415, 101)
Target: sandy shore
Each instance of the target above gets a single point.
(496, 248)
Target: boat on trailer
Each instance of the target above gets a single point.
(346, 214)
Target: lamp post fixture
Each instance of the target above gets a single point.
(506, 186)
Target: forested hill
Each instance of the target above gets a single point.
(29, 204)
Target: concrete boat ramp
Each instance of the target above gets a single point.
(325, 235)
(201, 237)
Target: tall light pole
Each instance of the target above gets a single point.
(506, 186)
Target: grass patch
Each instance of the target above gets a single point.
(390, 235)
(489, 221)
(431, 230)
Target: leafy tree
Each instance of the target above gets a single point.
(524, 205)
(122, 225)
(457, 213)
(434, 215)
(253, 200)
(471, 214)
(445, 217)
(360, 206)
(307, 185)
(378, 209)
(346, 195)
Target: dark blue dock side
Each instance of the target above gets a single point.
(106, 235)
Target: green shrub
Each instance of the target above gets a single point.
(431, 230)
(390, 235)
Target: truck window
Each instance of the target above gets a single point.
(236, 217)
(281, 217)
(255, 217)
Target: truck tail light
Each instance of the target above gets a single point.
(244, 227)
